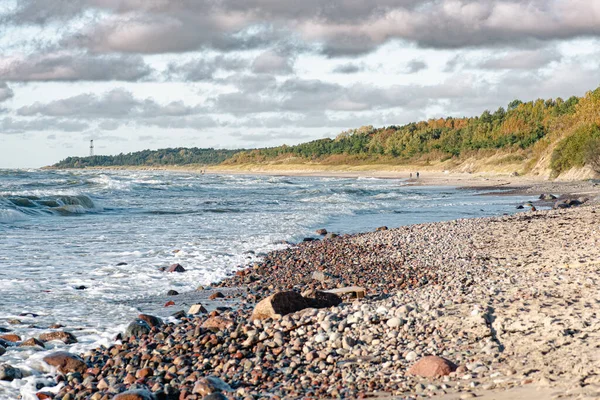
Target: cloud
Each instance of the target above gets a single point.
(349, 68)
(117, 104)
(415, 66)
(73, 67)
(270, 62)
(12, 126)
(204, 69)
(5, 92)
(349, 28)
(526, 60)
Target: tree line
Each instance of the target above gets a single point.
(570, 128)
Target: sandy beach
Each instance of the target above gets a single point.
(508, 304)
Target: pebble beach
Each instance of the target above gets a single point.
(484, 307)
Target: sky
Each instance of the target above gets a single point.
(149, 74)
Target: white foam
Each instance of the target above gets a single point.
(11, 216)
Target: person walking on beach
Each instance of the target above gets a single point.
(411, 175)
(417, 174)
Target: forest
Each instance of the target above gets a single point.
(176, 156)
(569, 129)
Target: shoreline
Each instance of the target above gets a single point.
(465, 279)
(439, 257)
(428, 176)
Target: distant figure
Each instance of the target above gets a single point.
(411, 175)
(417, 174)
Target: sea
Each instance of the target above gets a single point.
(77, 246)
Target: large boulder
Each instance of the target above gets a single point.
(432, 367)
(65, 337)
(283, 303)
(151, 320)
(135, 395)
(137, 329)
(279, 304)
(547, 196)
(320, 299)
(9, 373)
(66, 362)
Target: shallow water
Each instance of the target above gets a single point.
(64, 229)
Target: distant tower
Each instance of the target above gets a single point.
(91, 148)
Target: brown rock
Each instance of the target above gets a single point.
(217, 323)
(431, 367)
(11, 337)
(44, 395)
(66, 362)
(216, 295)
(279, 304)
(208, 385)
(382, 228)
(144, 372)
(65, 337)
(176, 268)
(322, 232)
(169, 303)
(151, 320)
(32, 342)
(319, 299)
(135, 395)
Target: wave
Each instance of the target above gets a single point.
(11, 216)
(47, 205)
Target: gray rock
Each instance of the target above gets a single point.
(9, 373)
(137, 329)
(394, 322)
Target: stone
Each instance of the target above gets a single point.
(197, 309)
(331, 235)
(382, 228)
(151, 320)
(320, 299)
(319, 276)
(65, 337)
(431, 367)
(394, 322)
(9, 373)
(215, 396)
(176, 268)
(172, 293)
(66, 362)
(44, 395)
(547, 196)
(2, 350)
(11, 337)
(135, 395)
(32, 343)
(279, 304)
(209, 385)
(137, 329)
(321, 232)
(217, 323)
(216, 295)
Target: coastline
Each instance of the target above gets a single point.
(504, 181)
(458, 289)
